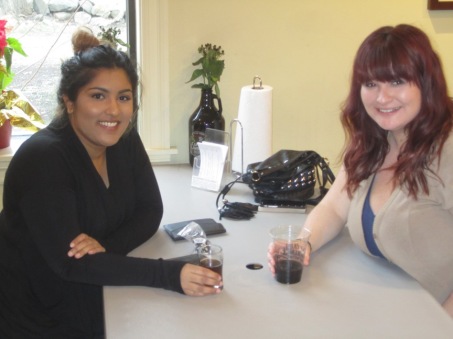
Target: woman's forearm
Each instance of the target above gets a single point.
(328, 218)
(324, 225)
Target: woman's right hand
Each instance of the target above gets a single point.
(271, 261)
(198, 281)
(84, 244)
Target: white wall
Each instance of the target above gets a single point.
(302, 48)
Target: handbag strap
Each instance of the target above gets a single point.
(327, 174)
(326, 177)
(235, 210)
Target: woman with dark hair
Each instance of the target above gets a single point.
(394, 191)
(78, 196)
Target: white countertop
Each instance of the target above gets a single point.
(343, 293)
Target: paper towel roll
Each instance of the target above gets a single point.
(255, 116)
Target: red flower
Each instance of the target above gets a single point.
(7, 47)
(3, 42)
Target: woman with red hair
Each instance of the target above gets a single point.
(394, 191)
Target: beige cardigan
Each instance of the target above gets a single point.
(416, 235)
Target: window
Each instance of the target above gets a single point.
(37, 75)
(146, 30)
(46, 38)
(143, 24)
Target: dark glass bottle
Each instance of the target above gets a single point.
(206, 115)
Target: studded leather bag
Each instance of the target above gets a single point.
(286, 179)
(289, 176)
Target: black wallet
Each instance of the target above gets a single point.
(209, 226)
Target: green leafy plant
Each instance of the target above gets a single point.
(110, 35)
(211, 67)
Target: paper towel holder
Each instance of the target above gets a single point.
(242, 144)
(261, 82)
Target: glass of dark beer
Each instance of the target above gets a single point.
(211, 256)
(289, 244)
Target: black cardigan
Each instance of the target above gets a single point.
(52, 193)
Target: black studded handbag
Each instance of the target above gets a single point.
(286, 179)
(289, 176)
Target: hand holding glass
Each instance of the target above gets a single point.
(289, 245)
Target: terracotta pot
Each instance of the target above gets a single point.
(5, 134)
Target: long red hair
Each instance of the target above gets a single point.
(390, 53)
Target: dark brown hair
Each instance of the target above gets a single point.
(391, 53)
(89, 57)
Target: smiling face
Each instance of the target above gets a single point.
(392, 105)
(102, 110)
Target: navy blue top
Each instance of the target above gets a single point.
(367, 224)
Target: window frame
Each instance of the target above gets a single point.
(153, 63)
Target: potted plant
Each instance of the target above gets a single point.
(15, 110)
(211, 67)
(110, 37)
(206, 115)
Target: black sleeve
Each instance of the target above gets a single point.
(51, 218)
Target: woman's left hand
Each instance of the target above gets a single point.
(84, 244)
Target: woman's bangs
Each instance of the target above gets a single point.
(384, 67)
